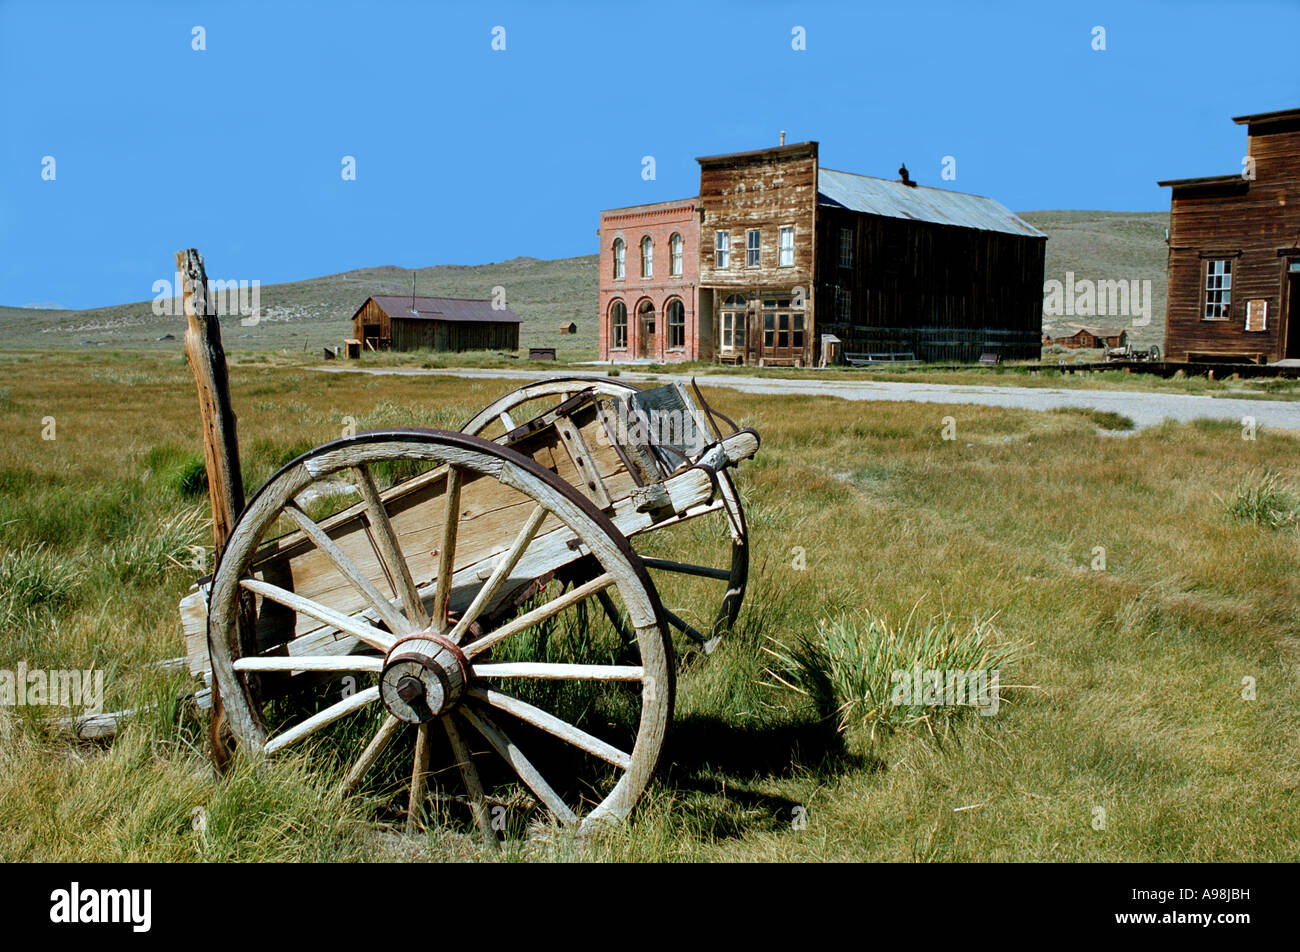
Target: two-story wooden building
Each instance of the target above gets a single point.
(1234, 252)
(787, 250)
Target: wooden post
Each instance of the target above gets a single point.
(207, 359)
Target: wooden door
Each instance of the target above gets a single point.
(649, 337)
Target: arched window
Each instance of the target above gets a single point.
(618, 326)
(675, 254)
(647, 257)
(733, 324)
(620, 258)
(676, 323)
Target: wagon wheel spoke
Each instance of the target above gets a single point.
(321, 719)
(387, 731)
(615, 617)
(381, 640)
(310, 663)
(505, 564)
(686, 568)
(383, 607)
(419, 779)
(541, 613)
(447, 548)
(553, 725)
(685, 627)
(473, 785)
(558, 671)
(512, 755)
(389, 548)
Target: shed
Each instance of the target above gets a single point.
(404, 322)
(1092, 337)
(569, 327)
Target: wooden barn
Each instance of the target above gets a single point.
(403, 322)
(1092, 337)
(1234, 252)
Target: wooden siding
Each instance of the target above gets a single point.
(937, 291)
(764, 190)
(415, 334)
(371, 313)
(1256, 225)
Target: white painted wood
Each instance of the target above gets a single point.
(383, 607)
(512, 755)
(553, 725)
(500, 572)
(386, 539)
(381, 640)
(550, 670)
(321, 719)
(540, 613)
(292, 663)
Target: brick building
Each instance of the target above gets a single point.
(1234, 252)
(775, 250)
(649, 283)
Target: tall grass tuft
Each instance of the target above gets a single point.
(850, 667)
(1263, 500)
(31, 578)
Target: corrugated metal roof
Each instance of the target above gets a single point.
(877, 196)
(444, 309)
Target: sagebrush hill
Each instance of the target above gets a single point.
(314, 313)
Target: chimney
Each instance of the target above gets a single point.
(903, 176)
(783, 137)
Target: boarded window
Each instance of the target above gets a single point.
(1257, 315)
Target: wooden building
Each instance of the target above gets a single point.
(1234, 252)
(788, 250)
(403, 322)
(1086, 337)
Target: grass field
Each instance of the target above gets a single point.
(1122, 735)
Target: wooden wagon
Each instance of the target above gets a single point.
(482, 588)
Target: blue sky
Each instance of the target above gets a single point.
(469, 155)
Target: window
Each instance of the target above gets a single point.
(846, 247)
(1218, 288)
(647, 257)
(722, 247)
(675, 254)
(769, 331)
(797, 338)
(1257, 315)
(751, 248)
(620, 258)
(733, 323)
(676, 323)
(843, 306)
(618, 326)
(786, 246)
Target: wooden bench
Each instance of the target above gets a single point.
(886, 357)
(990, 360)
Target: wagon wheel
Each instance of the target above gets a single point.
(441, 648)
(724, 580)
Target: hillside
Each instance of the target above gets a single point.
(306, 315)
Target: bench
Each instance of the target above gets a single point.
(884, 357)
(541, 353)
(990, 360)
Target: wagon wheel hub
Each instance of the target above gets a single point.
(424, 676)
